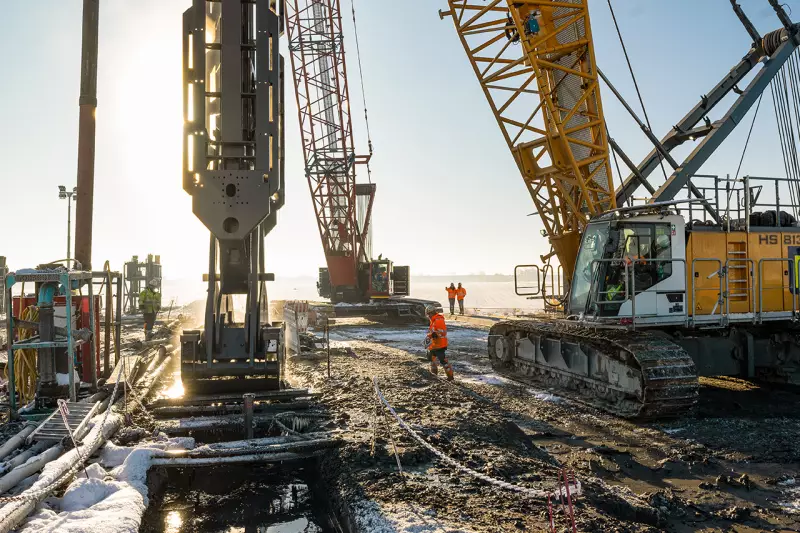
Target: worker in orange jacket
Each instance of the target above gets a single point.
(461, 292)
(451, 296)
(436, 341)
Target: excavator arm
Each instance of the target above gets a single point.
(535, 62)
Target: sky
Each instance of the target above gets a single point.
(449, 197)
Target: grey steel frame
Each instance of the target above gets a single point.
(65, 281)
(234, 171)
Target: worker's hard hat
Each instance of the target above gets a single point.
(430, 310)
(153, 283)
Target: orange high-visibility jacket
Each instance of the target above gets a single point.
(437, 332)
(461, 292)
(451, 293)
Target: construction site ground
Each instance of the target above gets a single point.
(731, 466)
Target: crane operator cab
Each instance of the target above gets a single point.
(623, 255)
(380, 283)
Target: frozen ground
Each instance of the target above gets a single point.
(726, 468)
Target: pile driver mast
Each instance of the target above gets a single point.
(233, 169)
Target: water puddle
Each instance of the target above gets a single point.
(237, 499)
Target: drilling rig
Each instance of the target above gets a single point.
(342, 206)
(650, 300)
(233, 169)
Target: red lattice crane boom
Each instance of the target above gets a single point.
(343, 209)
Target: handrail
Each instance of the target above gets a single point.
(538, 279)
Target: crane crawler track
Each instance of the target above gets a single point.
(659, 378)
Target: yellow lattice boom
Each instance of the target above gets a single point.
(535, 62)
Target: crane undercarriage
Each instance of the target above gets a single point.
(645, 374)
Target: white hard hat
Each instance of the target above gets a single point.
(153, 283)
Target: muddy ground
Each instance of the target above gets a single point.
(730, 467)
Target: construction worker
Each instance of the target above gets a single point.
(436, 341)
(461, 292)
(451, 296)
(150, 305)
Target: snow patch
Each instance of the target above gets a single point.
(112, 455)
(375, 518)
(485, 379)
(792, 503)
(544, 396)
(106, 502)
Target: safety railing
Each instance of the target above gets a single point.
(720, 274)
(600, 298)
(540, 283)
(755, 291)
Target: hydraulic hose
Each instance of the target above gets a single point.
(25, 370)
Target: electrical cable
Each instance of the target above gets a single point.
(635, 84)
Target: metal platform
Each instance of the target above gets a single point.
(53, 429)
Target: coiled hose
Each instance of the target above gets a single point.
(25, 371)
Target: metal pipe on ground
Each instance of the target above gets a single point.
(16, 441)
(185, 426)
(300, 446)
(11, 479)
(22, 457)
(239, 459)
(193, 410)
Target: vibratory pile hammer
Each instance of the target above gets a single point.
(233, 169)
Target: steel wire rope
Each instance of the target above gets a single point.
(363, 92)
(635, 84)
(785, 129)
(794, 74)
(791, 137)
(744, 150)
(781, 134)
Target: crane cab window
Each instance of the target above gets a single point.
(646, 249)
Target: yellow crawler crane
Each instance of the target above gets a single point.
(650, 300)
